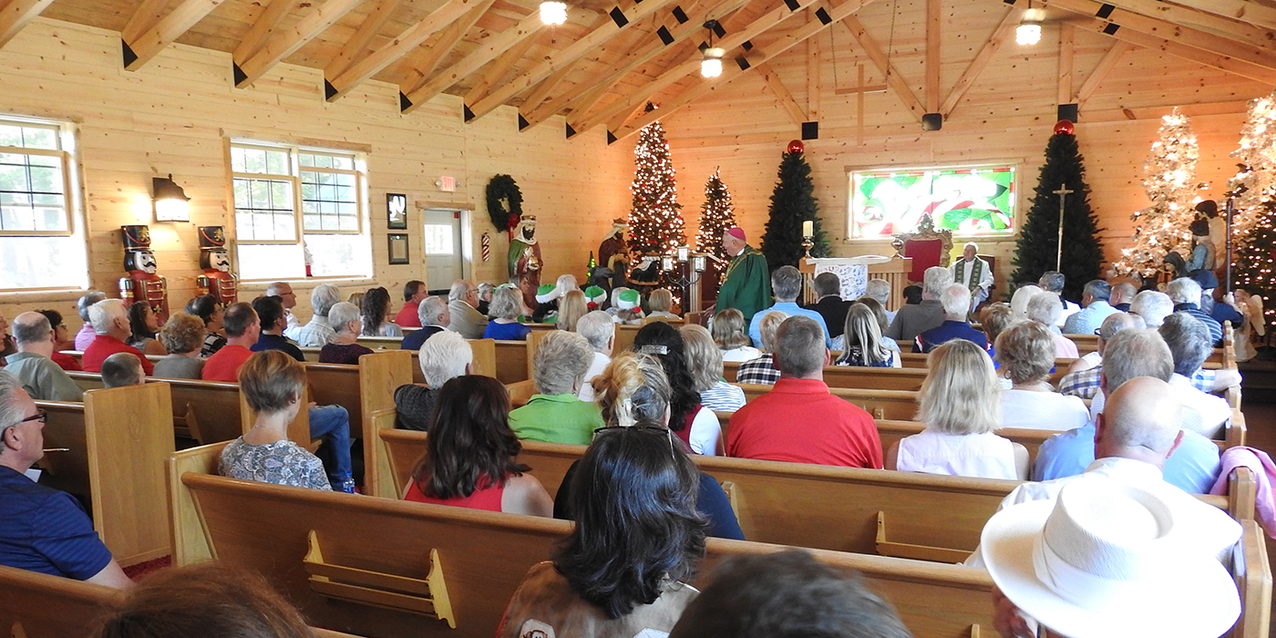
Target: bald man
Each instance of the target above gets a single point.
(41, 378)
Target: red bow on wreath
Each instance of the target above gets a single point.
(513, 222)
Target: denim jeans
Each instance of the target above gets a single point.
(333, 422)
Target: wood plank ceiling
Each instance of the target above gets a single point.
(613, 56)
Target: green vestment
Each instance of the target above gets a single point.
(748, 284)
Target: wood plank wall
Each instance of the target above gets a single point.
(174, 115)
(1007, 116)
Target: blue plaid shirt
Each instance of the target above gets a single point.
(1085, 383)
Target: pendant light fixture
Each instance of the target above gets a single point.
(711, 64)
(1028, 32)
(553, 13)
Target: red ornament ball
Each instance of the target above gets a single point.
(1064, 127)
(796, 146)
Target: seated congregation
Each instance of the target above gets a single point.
(1131, 427)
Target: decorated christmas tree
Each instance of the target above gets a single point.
(715, 218)
(1255, 183)
(1171, 186)
(1255, 260)
(655, 223)
(1038, 247)
(792, 202)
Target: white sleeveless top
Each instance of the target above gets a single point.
(976, 455)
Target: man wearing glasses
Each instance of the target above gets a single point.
(41, 529)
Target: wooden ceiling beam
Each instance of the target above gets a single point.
(999, 37)
(616, 22)
(542, 92)
(513, 37)
(1170, 32)
(933, 20)
(265, 24)
(621, 108)
(17, 14)
(782, 93)
(390, 52)
(827, 16)
(1101, 70)
(187, 14)
(498, 69)
(880, 59)
(1242, 68)
(424, 66)
(286, 41)
(143, 19)
(1243, 10)
(1227, 27)
(362, 38)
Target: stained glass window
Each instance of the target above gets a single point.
(966, 200)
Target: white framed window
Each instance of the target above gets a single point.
(294, 204)
(42, 243)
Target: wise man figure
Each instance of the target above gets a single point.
(525, 259)
(973, 273)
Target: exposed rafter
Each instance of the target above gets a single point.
(140, 51)
(144, 18)
(627, 105)
(17, 14)
(1101, 70)
(826, 16)
(543, 91)
(1241, 31)
(999, 37)
(263, 27)
(285, 42)
(428, 61)
(879, 58)
(400, 46)
(1157, 27)
(782, 93)
(1246, 10)
(498, 69)
(619, 20)
(362, 38)
(494, 47)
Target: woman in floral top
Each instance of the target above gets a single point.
(272, 383)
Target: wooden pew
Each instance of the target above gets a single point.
(905, 378)
(116, 443)
(880, 404)
(512, 361)
(379, 375)
(34, 605)
(314, 547)
(380, 343)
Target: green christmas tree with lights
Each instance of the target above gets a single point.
(792, 202)
(1171, 186)
(715, 218)
(655, 222)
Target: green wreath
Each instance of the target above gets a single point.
(504, 202)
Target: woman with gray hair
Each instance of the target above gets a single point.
(346, 319)
(704, 360)
(555, 414)
(182, 336)
(443, 357)
(507, 305)
(728, 334)
(1046, 308)
(600, 331)
(319, 332)
(1025, 354)
(960, 404)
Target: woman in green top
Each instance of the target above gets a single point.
(555, 414)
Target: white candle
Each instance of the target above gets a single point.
(682, 253)
(808, 228)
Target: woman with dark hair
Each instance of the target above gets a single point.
(375, 307)
(208, 310)
(144, 323)
(663, 342)
(61, 341)
(623, 570)
(469, 460)
(634, 391)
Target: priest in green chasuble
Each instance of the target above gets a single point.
(973, 273)
(747, 287)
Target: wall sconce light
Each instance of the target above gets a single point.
(170, 201)
(711, 65)
(553, 13)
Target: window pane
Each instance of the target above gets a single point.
(10, 135)
(438, 239)
(39, 138)
(28, 181)
(271, 261)
(340, 255)
(237, 160)
(277, 162)
(42, 262)
(257, 203)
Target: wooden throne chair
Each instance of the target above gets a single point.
(926, 246)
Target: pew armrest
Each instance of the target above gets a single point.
(918, 552)
(426, 597)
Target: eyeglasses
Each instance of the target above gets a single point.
(40, 415)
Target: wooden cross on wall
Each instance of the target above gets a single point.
(860, 90)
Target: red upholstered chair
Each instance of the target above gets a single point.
(926, 246)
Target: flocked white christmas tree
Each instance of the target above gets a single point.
(1170, 184)
(655, 222)
(1255, 183)
(716, 217)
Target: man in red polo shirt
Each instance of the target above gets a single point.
(110, 322)
(242, 328)
(799, 420)
(414, 293)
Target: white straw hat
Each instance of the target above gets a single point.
(1111, 560)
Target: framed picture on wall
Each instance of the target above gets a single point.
(396, 211)
(398, 245)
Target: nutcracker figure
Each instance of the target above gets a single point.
(142, 284)
(216, 279)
